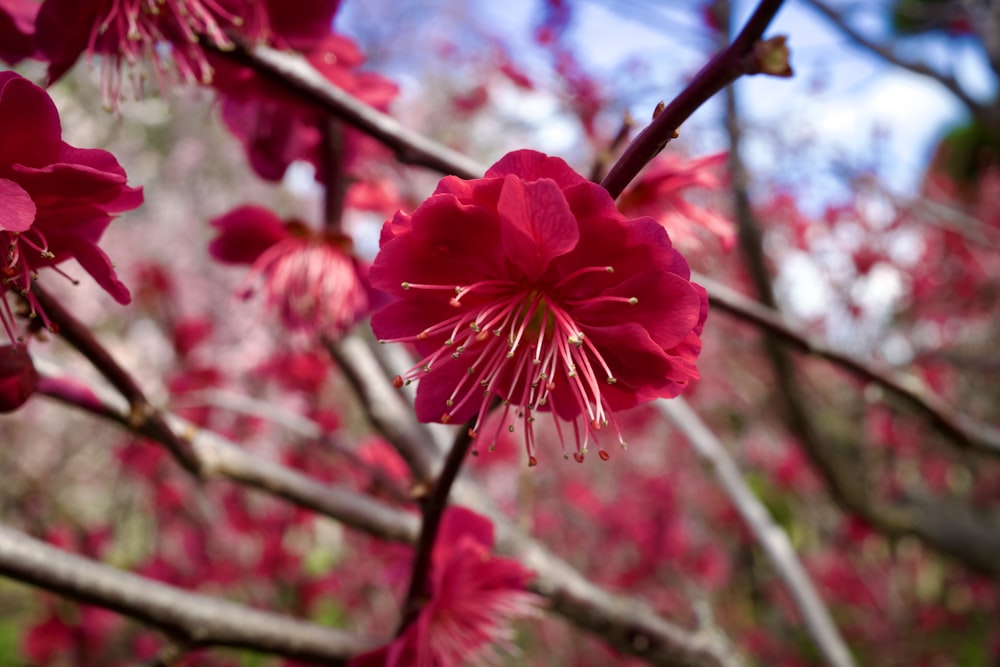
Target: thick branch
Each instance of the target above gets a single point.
(296, 74)
(771, 537)
(218, 457)
(141, 412)
(197, 620)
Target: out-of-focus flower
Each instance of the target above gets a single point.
(276, 128)
(18, 377)
(472, 598)
(310, 278)
(17, 29)
(530, 289)
(168, 35)
(662, 192)
(55, 200)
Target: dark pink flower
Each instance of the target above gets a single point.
(472, 598)
(168, 35)
(276, 128)
(530, 289)
(310, 278)
(55, 200)
(666, 191)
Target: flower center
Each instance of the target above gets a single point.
(524, 350)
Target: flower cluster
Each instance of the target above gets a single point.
(55, 200)
(127, 33)
(529, 289)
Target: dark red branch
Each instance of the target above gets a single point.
(728, 65)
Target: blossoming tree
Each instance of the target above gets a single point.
(358, 398)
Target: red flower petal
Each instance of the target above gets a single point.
(539, 225)
(245, 233)
(17, 210)
(29, 124)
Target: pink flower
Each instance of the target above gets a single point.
(276, 128)
(663, 192)
(473, 597)
(128, 32)
(55, 200)
(529, 288)
(310, 278)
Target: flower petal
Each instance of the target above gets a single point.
(245, 233)
(539, 224)
(29, 125)
(17, 210)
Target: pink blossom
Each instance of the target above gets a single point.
(664, 192)
(277, 128)
(55, 200)
(472, 598)
(127, 33)
(310, 278)
(529, 288)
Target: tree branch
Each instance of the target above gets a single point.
(887, 54)
(219, 457)
(295, 74)
(728, 65)
(948, 525)
(768, 534)
(198, 620)
(432, 508)
(962, 429)
(141, 412)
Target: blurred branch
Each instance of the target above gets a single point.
(387, 410)
(886, 53)
(739, 58)
(197, 620)
(962, 429)
(141, 412)
(768, 534)
(984, 16)
(218, 457)
(624, 622)
(949, 525)
(296, 74)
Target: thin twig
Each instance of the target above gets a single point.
(727, 66)
(772, 539)
(432, 508)
(890, 56)
(198, 620)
